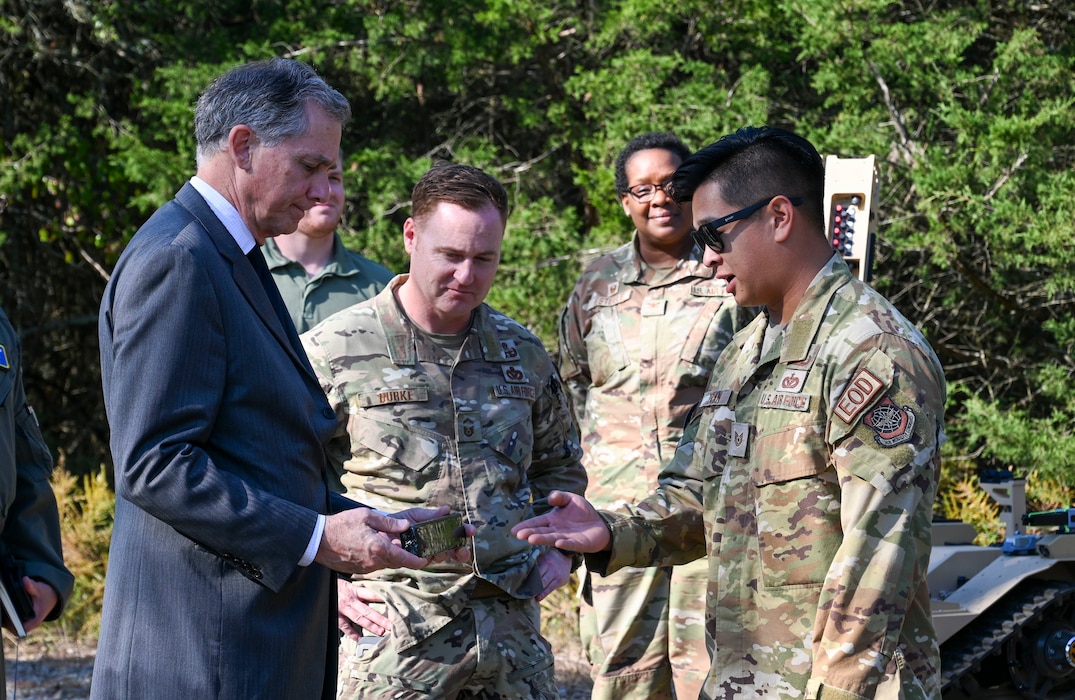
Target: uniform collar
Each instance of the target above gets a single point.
(810, 313)
(399, 332)
(629, 264)
(273, 257)
(340, 264)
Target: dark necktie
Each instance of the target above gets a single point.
(258, 261)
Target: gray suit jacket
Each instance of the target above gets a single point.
(218, 431)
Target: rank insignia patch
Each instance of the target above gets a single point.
(737, 442)
(893, 424)
(468, 429)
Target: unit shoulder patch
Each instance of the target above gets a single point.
(893, 424)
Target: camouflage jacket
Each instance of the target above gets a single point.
(813, 464)
(635, 355)
(489, 435)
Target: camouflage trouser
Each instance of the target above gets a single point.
(492, 650)
(644, 632)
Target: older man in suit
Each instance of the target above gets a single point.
(220, 580)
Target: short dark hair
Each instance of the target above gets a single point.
(268, 96)
(660, 140)
(756, 162)
(463, 185)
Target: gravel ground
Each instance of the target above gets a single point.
(47, 670)
(57, 671)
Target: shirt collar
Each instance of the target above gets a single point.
(227, 213)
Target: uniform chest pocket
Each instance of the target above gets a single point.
(709, 333)
(797, 506)
(388, 456)
(605, 346)
(514, 442)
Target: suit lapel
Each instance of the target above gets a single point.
(244, 276)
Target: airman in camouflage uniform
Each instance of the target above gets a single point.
(448, 402)
(812, 461)
(638, 339)
(815, 451)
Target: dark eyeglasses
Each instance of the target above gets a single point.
(708, 235)
(644, 193)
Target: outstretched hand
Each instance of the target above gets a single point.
(572, 524)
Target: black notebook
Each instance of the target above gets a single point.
(17, 605)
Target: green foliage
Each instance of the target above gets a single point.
(961, 499)
(532, 259)
(966, 104)
(1019, 439)
(87, 509)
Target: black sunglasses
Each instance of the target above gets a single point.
(708, 235)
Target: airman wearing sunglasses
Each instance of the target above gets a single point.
(638, 339)
(809, 469)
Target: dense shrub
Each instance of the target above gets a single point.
(966, 104)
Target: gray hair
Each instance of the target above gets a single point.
(268, 96)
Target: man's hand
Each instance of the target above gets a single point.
(572, 524)
(361, 540)
(555, 570)
(44, 598)
(354, 614)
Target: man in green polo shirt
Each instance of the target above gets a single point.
(317, 276)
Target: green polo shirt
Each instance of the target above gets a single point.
(347, 279)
